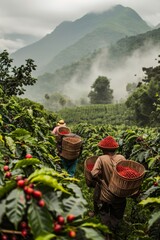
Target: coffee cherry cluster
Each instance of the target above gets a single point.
(24, 228)
(60, 223)
(7, 171)
(30, 191)
(24, 231)
(6, 168)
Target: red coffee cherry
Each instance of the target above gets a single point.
(28, 190)
(60, 219)
(8, 174)
(23, 224)
(57, 228)
(21, 183)
(28, 155)
(4, 237)
(24, 233)
(6, 168)
(41, 203)
(155, 184)
(37, 194)
(70, 218)
(72, 234)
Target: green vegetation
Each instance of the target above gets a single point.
(96, 114)
(145, 100)
(101, 92)
(29, 163)
(38, 199)
(13, 79)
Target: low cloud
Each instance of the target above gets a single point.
(9, 45)
(120, 76)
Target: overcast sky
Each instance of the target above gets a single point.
(40, 17)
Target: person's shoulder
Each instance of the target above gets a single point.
(120, 156)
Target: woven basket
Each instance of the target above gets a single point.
(125, 187)
(72, 143)
(87, 172)
(60, 132)
(71, 147)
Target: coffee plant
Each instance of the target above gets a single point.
(38, 199)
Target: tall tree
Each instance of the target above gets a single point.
(101, 93)
(13, 79)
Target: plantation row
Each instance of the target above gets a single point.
(97, 114)
(39, 201)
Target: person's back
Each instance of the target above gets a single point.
(67, 164)
(106, 163)
(110, 207)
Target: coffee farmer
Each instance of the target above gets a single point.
(109, 207)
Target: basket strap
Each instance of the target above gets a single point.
(112, 162)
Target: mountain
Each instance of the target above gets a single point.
(71, 41)
(75, 80)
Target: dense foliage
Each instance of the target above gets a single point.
(96, 114)
(142, 216)
(38, 199)
(145, 100)
(34, 191)
(13, 79)
(28, 157)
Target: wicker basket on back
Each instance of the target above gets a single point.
(62, 131)
(125, 187)
(71, 147)
(88, 165)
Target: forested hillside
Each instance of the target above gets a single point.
(73, 78)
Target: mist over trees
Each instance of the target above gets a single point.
(101, 93)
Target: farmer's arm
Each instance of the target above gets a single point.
(96, 171)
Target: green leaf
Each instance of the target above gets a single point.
(20, 133)
(150, 200)
(74, 206)
(39, 220)
(26, 162)
(46, 236)
(46, 171)
(7, 188)
(11, 144)
(49, 181)
(15, 206)
(2, 209)
(51, 199)
(91, 233)
(1, 177)
(155, 216)
(151, 161)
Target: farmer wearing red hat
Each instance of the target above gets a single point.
(109, 207)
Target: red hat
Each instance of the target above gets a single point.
(108, 143)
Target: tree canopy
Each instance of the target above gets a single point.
(145, 100)
(101, 93)
(13, 79)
